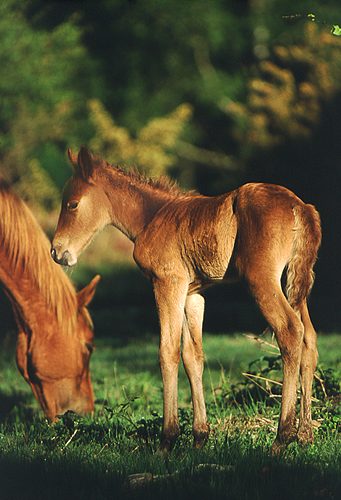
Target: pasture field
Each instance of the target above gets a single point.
(95, 457)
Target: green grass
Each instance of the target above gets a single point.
(92, 457)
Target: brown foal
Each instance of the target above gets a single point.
(55, 330)
(185, 242)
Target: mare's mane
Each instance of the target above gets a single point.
(28, 257)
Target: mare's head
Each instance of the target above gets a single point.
(85, 209)
(56, 364)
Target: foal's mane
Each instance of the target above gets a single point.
(162, 183)
(28, 252)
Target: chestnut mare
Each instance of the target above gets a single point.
(55, 331)
(185, 242)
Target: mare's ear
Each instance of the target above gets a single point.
(85, 163)
(72, 158)
(85, 296)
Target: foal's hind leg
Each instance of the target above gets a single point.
(193, 358)
(307, 369)
(289, 333)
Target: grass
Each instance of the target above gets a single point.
(93, 457)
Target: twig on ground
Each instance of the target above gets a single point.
(261, 341)
(321, 384)
(70, 439)
(100, 451)
(251, 376)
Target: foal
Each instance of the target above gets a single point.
(55, 330)
(185, 242)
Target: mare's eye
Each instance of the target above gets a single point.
(72, 205)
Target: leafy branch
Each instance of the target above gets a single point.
(335, 29)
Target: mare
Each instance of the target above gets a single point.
(185, 242)
(55, 332)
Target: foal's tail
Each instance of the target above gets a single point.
(307, 239)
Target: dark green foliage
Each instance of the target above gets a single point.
(260, 389)
(256, 386)
(328, 383)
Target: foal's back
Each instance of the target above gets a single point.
(199, 235)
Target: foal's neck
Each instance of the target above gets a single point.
(133, 201)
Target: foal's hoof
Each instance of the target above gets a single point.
(167, 442)
(305, 436)
(201, 436)
(165, 447)
(280, 444)
(277, 448)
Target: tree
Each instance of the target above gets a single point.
(286, 99)
(42, 89)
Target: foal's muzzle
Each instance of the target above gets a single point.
(65, 259)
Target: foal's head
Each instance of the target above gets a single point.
(85, 209)
(56, 364)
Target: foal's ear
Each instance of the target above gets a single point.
(72, 158)
(85, 163)
(85, 296)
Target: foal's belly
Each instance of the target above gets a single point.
(210, 257)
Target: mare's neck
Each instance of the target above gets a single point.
(26, 301)
(133, 202)
(37, 309)
(40, 292)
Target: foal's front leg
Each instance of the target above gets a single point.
(170, 296)
(193, 358)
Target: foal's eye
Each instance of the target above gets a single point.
(72, 205)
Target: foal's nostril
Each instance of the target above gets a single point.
(53, 253)
(66, 257)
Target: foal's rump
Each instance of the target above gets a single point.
(306, 242)
(276, 229)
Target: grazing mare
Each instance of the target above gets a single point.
(185, 242)
(54, 327)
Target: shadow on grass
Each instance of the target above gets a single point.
(55, 480)
(242, 475)
(16, 401)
